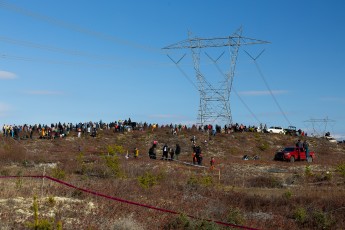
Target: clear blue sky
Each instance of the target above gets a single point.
(80, 60)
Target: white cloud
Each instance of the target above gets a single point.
(44, 92)
(260, 93)
(7, 75)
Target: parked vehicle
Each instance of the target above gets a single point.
(276, 129)
(291, 130)
(292, 154)
(331, 139)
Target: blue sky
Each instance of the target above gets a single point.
(80, 60)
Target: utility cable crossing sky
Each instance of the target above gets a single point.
(267, 86)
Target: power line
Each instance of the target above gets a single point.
(267, 86)
(100, 65)
(20, 58)
(54, 49)
(67, 51)
(76, 28)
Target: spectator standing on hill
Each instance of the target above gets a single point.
(299, 144)
(306, 149)
(79, 132)
(177, 151)
(165, 152)
(212, 163)
(171, 152)
(193, 139)
(153, 151)
(198, 155)
(136, 152)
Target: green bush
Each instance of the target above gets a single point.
(300, 215)
(148, 180)
(265, 182)
(180, 222)
(41, 224)
(4, 172)
(186, 223)
(327, 176)
(193, 181)
(287, 194)
(113, 149)
(341, 169)
(204, 181)
(322, 220)
(307, 171)
(81, 163)
(235, 216)
(58, 173)
(263, 146)
(51, 201)
(112, 162)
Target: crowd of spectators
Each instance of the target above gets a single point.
(61, 130)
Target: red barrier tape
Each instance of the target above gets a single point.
(127, 201)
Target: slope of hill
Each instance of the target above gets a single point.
(263, 193)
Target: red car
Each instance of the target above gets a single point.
(292, 153)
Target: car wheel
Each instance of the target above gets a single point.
(292, 159)
(310, 159)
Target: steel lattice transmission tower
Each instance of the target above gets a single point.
(215, 98)
(317, 122)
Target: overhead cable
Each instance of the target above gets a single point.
(267, 86)
(76, 28)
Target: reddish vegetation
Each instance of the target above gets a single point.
(263, 193)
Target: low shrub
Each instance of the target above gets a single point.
(186, 223)
(341, 169)
(322, 220)
(113, 149)
(205, 180)
(51, 201)
(113, 164)
(235, 216)
(308, 171)
(263, 146)
(148, 180)
(265, 182)
(58, 173)
(325, 176)
(42, 224)
(287, 194)
(300, 215)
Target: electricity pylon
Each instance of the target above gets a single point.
(319, 122)
(214, 105)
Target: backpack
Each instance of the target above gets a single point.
(197, 151)
(151, 151)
